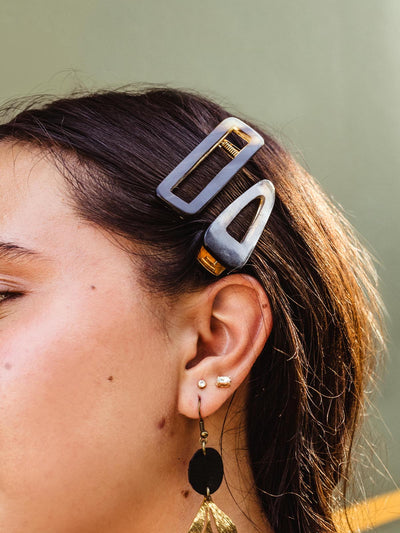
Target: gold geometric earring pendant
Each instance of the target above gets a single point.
(206, 472)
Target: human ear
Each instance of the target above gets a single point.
(232, 320)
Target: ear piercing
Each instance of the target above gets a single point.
(222, 382)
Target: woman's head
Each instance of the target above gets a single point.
(102, 354)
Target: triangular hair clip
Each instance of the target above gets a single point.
(222, 251)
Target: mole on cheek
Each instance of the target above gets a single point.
(110, 378)
(92, 287)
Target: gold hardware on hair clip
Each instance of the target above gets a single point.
(209, 262)
(229, 147)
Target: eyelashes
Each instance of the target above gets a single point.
(5, 296)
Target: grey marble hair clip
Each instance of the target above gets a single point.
(220, 250)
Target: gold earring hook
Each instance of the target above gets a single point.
(203, 431)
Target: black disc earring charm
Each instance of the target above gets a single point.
(206, 470)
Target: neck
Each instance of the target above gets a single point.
(237, 497)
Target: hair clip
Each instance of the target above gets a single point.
(220, 250)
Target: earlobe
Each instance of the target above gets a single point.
(234, 320)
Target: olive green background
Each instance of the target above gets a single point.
(323, 76)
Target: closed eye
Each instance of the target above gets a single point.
(9, 295)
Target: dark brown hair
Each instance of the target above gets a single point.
(306, 389)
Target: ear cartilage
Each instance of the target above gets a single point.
(223, 381)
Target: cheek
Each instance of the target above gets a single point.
(82, 389)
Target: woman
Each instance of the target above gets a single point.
(113, 334)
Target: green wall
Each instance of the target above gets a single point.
(321, 75)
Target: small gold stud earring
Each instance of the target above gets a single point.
(223, 381)
(202, 384)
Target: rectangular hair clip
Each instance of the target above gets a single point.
(199, 153)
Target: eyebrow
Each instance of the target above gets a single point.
(10, 250)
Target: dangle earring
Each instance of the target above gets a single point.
(206, 472)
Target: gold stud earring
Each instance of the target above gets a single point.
(202, 384)
(223, 381)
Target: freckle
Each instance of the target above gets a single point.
(8, 366)
(185, 493)
(161, 423)
(110, 378)
(92, 287)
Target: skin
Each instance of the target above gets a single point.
(98, 379)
